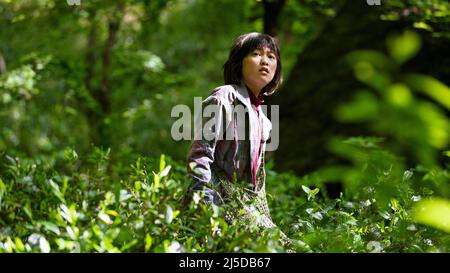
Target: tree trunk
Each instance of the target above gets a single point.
(272, 10)
(99, 130)
(2, 65)
(319, 82)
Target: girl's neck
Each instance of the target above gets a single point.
(251, 90)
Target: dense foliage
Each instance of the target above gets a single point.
(87, 163)
(82, 208)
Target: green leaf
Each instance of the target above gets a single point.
(137, 185)
(112, 212)
(65, 184)
(399, 94)
(169, 214)
(407, 175)
(28, 211)
(105, 218)
(385, 215)
(44, 245)
(165, 172)
(156, 181)
(363, 107)
(9, 245)
(70, 155)
(422, 25)
(433, 212)
(315, 191)
(377, 59)
(306, 189)
(19, 245)
(51, 227)
(430, 86)
(148, 242)
(129, 245)
(56, 191)
(162, 163)
(2, 186)
(192, 167)
(404, 46)
(309, 192)
(68, 213)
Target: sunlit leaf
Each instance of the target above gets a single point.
(70, 155)
(404, 46)
(175, 247)
(407, 175)
(28, 211)
(165, 172)
(51, 227)
(66, 213)
(129, 245)
(399, 95)
(112, 212)
(374, 247)
(44, 245)
(124, 195)
(434, 212)
(385, 215)
(194, 169)
(169, 214)
(306, 189)
(156, 181)
(19, 245)
(148, 242)
(363, 107)
(2, 186)
(430, 86)
(105, 218)
(162, 162)
(422, 25)
(56, 191)
(372, 57)
(9, 245)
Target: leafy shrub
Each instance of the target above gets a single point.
(89, 206)
(377, 213)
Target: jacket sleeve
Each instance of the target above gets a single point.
(203, 147)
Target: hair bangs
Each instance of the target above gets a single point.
(257, 41)
(242, 46)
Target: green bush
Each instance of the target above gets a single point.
(377, 213)
(74, 204)
(84, 209)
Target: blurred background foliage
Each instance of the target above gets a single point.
(88, 162)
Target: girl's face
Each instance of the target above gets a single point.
(258, 68)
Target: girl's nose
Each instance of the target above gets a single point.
(264, 60)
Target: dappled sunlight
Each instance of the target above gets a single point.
(90, 90)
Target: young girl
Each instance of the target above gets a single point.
(221, 160)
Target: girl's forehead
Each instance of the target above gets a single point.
(264, 48)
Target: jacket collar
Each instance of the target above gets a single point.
(256, 101)
(243, 95)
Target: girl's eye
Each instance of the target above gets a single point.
(272, 57)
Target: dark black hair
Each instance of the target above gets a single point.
(243, 45)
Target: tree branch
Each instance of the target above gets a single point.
(90, 59)
(113, 28)
(2, 65)
(272, 10)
